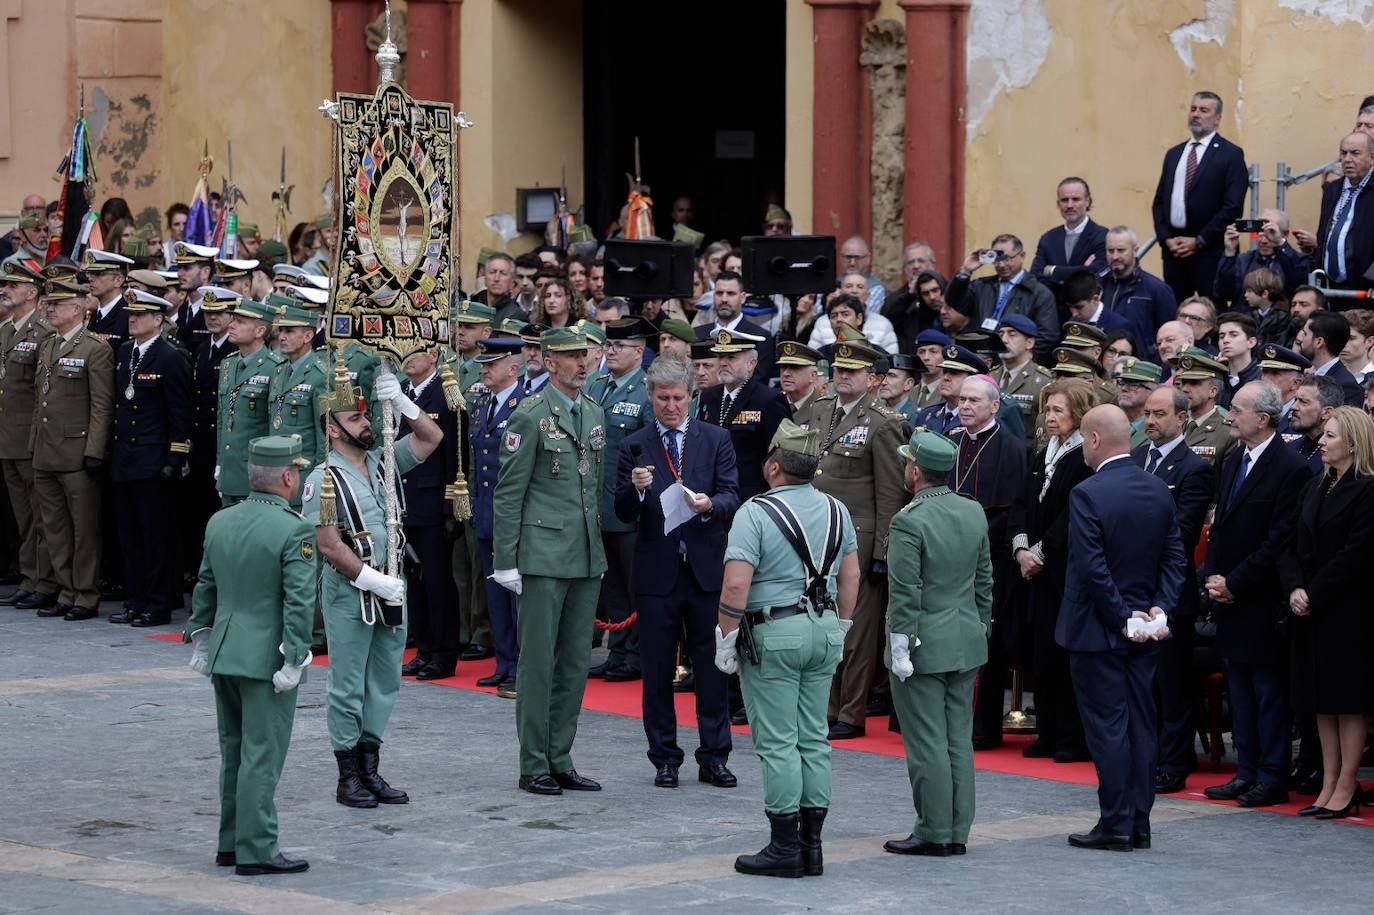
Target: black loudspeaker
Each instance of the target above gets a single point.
(648, 269)
(789, 264)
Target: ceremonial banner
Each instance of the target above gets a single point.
(396, 228)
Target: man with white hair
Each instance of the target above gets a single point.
(740, 404)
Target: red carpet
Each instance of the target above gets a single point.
(624, 699)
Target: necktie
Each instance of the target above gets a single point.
(1003, 293)
(1335, 250)
(1191, 173)
(674, 455)
(1070, 242)
(726, 400)
(1240, 477)
(1154, 459)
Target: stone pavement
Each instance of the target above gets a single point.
(108, 804)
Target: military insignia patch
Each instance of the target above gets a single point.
(748, 416)
(512, 442)
(308, 492)
(546, 424)
(308, 551)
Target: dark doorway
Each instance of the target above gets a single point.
(703, 87)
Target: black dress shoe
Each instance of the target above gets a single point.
(687, 684)
(539, 784)
(740, 716)
(1140, 840)
(436, 672)
(1227, 792)
(112, 593)
(36, 601)
(571, 781)
(415, 665)
(277, 865)
(477, 653)
(493, 680)
(127, 615)
(1071, 755)
(16, 597)
(914, 846)
(717, 775)
(1264, 796)
(957, 848)
(1038, 749)
(506, 688)
(1103, 841)
(1310, 810)
(666, 777)
(1170, 784)
(986, 743)
(225, 859)
(147, 620)
(842, 731)
(599, 671)
(78, 614)
(622, 674)
(54, 610)
(876, 708)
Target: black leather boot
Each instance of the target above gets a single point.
(351, 792)
(781, 857)
(368, 754)
(812, 819)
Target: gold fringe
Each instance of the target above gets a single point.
(457, 493)
(453, 391)
(329, 512)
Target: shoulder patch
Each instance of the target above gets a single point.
(307, 551)
(308, 491)
(512, 442)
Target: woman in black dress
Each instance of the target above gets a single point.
(1325, 572)
(1039, 524)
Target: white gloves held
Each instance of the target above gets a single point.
(200, 655)
(289, 677)
(387, 587)
(901, 656)
(509, 579)
(727, 659)
(845, 626)
(386, 387)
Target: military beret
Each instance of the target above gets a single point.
(672, 327)
(271, 248)
(277, 451)
(933, 337)
(791, 437)
(562, 340)
(323, 221)
(792, 353)
(1022, 324)
(929, 450)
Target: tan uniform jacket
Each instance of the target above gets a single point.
(74, 407)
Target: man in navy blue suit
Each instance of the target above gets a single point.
(1077, 244)
(1126, 563)
(676, 577)
(1201, 191)
(1082, 296)
(1192, 483)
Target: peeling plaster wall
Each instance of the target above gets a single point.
(1007, 44)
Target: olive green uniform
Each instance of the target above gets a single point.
(940, 597)
(295, 410)
(249, 386)
(1023, 385)
(18, 387)
(786, 693)
(548, 505)
(1210, 438)
(256, 592)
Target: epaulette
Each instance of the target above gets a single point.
(275, 356)
(588, 398)
(530, 401)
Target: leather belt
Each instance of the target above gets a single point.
(757, 617)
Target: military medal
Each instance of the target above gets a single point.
(546, 424)
(129, 391)
(556, 468)
(583, 467)
(3, 369)
(276, 423)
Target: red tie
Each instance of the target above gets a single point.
(1192, 167)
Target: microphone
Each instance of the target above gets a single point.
(636, 452)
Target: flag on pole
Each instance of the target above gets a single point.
(77, 175)
(200, 228)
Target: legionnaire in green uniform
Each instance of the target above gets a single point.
(1202, 379)
(939, 573)
(364, 608)
(250, 624)
(783, 605)
(249, 384)
(547, 548)
(296, 406)
(471, 324)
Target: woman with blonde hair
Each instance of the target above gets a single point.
(1323, 571)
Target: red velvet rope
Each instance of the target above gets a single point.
(617, 627)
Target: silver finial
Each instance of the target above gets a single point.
(388, 55)
(329, 109)
(463, 121)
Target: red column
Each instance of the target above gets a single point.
(433, 35)
(936, 97)
(355, 70)
(840, 142)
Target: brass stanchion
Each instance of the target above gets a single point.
(1016, 720)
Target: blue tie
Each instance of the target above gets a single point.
(1003, 294)
(670, 443)
(1240, 477)
(1155, 455)
(1335, 250)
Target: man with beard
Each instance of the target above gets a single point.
(194, 265)
(1131, 293)
(1313, 404)
(749, 410)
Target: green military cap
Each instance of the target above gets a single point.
(562, 340)
(1070, 361)
(1082, 335)
(1133, 369)
(791, 352)
(929, 450)
(1199, 367)
(134, 247)
(580, 232)
(28, 221)
(672, 327)
(217, 298)
(691, 236)
(485, 255)
(592, 331)
(469, 312)
(854, 356)
(277, 303)
(1189, 351)
(16, 271)
(248, 230)
(294, 316)
(792, 437)
(148, 231)
(277, 451)
(271, 248)
(248, 308)
(734, 341)
(138, 301)
(58, 290)
(845, 333)
(776, 212)
(824, 367)
(513, 327)
(323, 221)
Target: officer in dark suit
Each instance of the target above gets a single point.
(741, 404)
(676, 577)
(1077, 245)
(152, 443)
(194, 266)
(499, 361)
(1256, 505)
(958, 364)
(106, 273)
(432, 595)
(201, 498)
(728, 295)
(1192, 483)
(1126, 563)
(1201, 191)
(1345, 231)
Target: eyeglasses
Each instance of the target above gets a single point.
(1190, 318)
(852, 257)
(616, 346)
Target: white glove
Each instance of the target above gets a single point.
(387, 587)
(200, 654)
(845, 626)
(727, 659)
(509, 579)
(901, 656)
(386, 387)
(216, 473)
(289, 677)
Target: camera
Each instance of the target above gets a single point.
(1249, 225)
(991, 256)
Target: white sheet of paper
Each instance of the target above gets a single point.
(1149, 627)
(676, 512)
